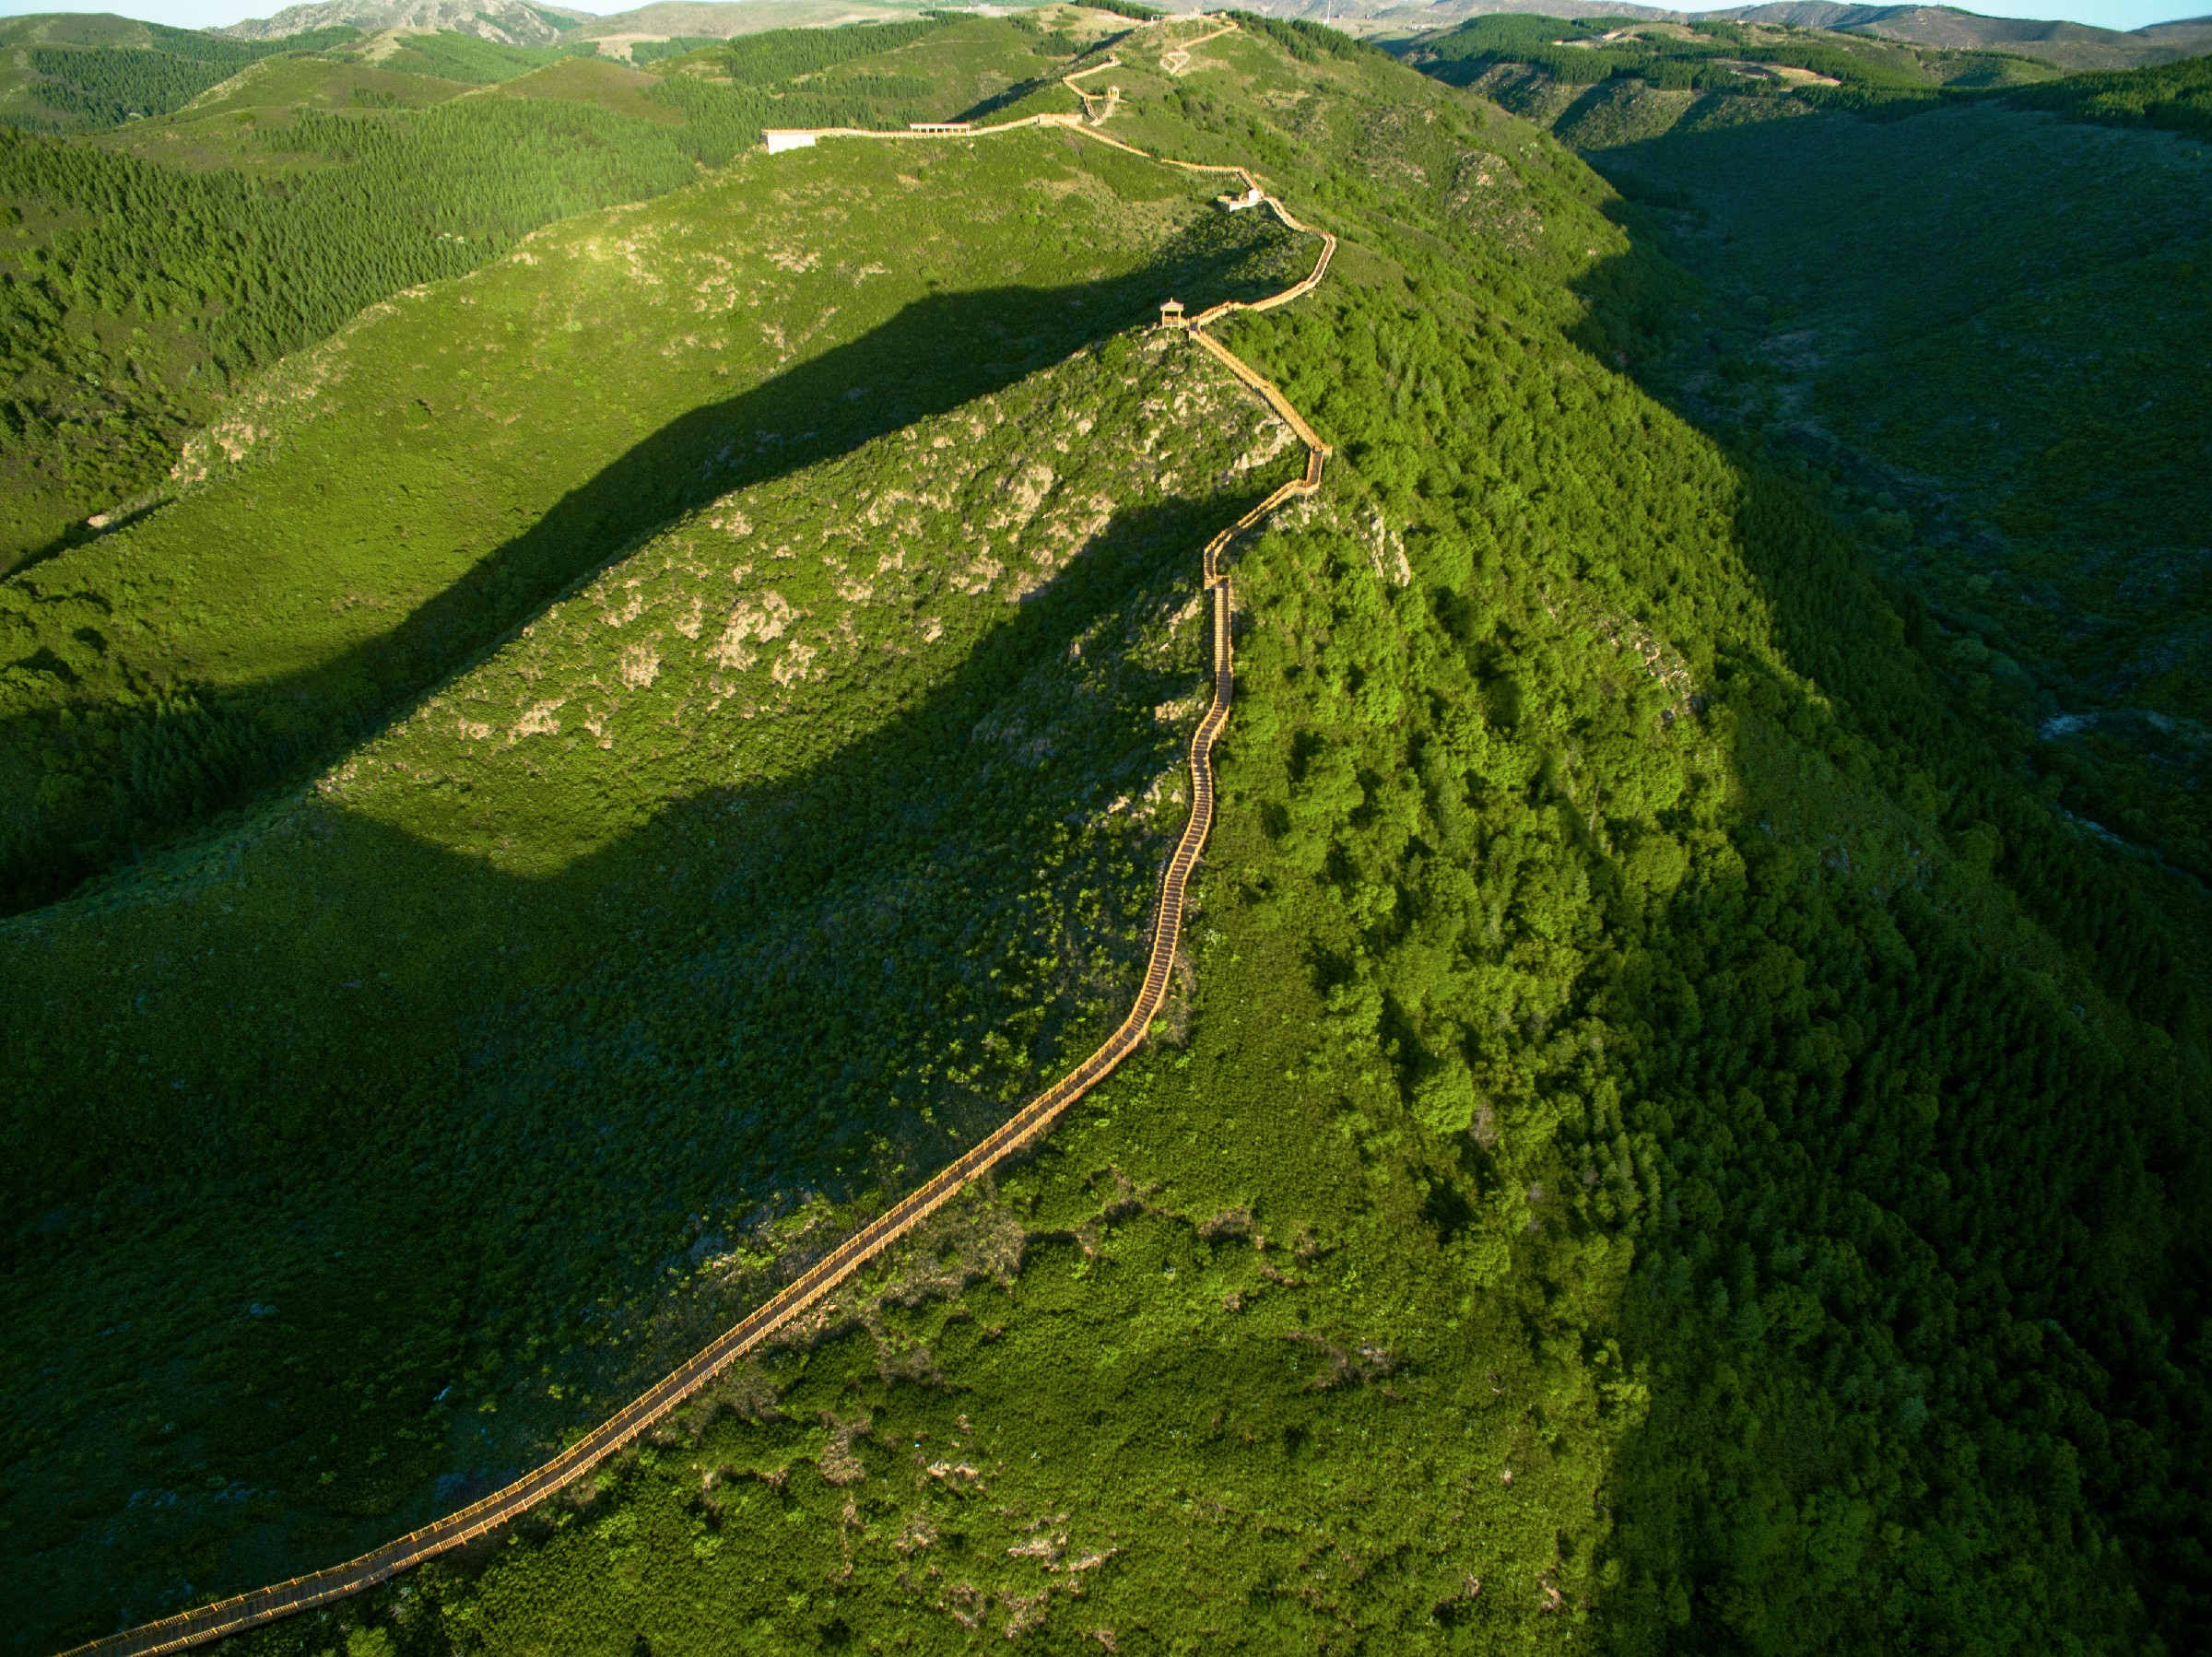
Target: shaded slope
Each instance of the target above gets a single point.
(287, 198)
(1678, 1147)
(2020, 414)
(473, 995)
(472, 520)
(1648, 1173)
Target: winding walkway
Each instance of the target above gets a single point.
(1096, 109)
(1023, 1130)
(1183, 51)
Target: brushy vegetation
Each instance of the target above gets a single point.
(898, 662)
(1671, 1142)
(118, 737)
(138, 293)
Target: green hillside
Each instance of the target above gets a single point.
(792, 369)
(2020, 414)
(2002, 378)
(1672, 1134)
(1586, 77)
(1601, 83)
(135, 300)
(62, 72)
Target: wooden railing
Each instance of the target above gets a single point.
(1024, 1129)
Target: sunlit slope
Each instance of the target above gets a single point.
(1670, 1143)
(61, 72)
(768, 868)
(224, 120)
(1677, 1148)
(285, 195)
(389, 503)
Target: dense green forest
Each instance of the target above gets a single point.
(2177, 97)
(1678, 1130)
(762, 60)
(2001, 410)
(88, 87)
(650, 52)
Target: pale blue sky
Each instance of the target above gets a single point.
(201, 14)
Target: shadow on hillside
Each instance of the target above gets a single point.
(436, 1117)
(1888, 1155)
(1847, 619)
(162, 767)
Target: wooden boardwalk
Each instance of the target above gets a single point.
(1096, 109)
(1181, 55)
(1023, 1130)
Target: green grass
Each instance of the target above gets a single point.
(969, 63)
(354, 595)
(595, 80)
(463, 58)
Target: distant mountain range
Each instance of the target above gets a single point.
(2071, 46)
(525, 23)
(510, 22)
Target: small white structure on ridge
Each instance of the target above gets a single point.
(1237, 204)
(780, 141)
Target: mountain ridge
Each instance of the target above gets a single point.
(524, 23)
(509, 22)
(1668, 1132)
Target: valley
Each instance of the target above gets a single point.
(586, 810)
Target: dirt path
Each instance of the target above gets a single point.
(1023, 1130)
(1182, 52)
(1095, 107)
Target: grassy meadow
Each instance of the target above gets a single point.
(1669, 1137)
(521, 449)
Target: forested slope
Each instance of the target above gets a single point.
(806, 719)
(2000, 377)
(1671, 1142)
(155, 267)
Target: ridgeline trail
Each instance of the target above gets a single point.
(1182, 52)
(1024, 1129)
